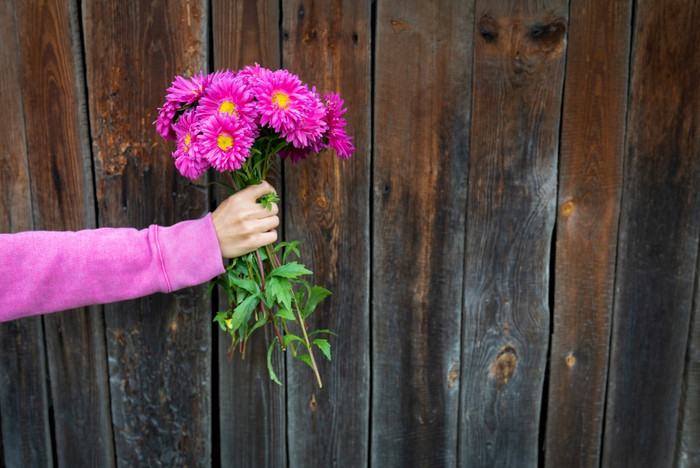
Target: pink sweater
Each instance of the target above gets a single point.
(44, 271)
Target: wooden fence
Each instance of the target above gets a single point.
(513, 249)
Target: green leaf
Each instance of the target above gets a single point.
(290, 248)
(316, 295)
(324, 346)
(288, 338)
(316, 332)
(290, 270)
(273, 376)
(285, 314)
(280, 289)
(307, 359)
(246, 284)
(221, 318)
(242, 312)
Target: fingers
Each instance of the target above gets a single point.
(257, 191)
(242, 224)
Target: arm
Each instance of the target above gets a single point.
(46, 271)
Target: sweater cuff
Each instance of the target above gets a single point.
(190, 253)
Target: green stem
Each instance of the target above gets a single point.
(276, 264)
(262, 306)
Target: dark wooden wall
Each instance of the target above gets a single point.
(513, 249)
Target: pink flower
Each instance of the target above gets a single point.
(311, 126)
(251, 74)
(282, 100)
(225, 142)
(338, 138)
(164, 122)
(187, 91)
(188, 158)
(230, 97)
(212, 78)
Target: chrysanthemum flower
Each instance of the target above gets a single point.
(230, 97)
(225, 142)
(282, 100)
(188, 158)
(338, 138)
(164, 122)
(311, 126)
(186, 90)
(250, 74)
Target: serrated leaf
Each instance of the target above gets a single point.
(324, 346)
(316, 295)
(290, 270)
(280, 289)
(273, 376)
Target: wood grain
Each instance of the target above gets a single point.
(159, 347)
(590, 186)
(688, 446)
(327, 43)
(62, 199)
(24, 423)
(519, 51)
(658, 240)
(422, 107)
(252, 416)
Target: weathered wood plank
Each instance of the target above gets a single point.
(159, 347)
(61, 186)
(518, 72)
(23, 399)
(60, 201)
(422, 108)
(25, 438)
(590, 185)
(658, 240)
(688, 448)
(327, 209)
(252, 413)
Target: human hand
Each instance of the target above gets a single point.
(242, 224)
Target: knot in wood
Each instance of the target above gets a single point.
(503, 366)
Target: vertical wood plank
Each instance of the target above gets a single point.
(590, 185)
(25, 439)
(518, 73)
(252, 417)
(61, 184)
(159, 347)
(658, 240)
(326, 202)
(422, 108)
(688, 448)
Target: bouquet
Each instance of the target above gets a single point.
(238, 123)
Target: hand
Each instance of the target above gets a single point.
(242, 224)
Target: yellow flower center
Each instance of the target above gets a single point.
(224, 142)
(188, 140)
(280, 99)
(227, 107)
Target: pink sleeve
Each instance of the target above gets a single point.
(44, 271)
